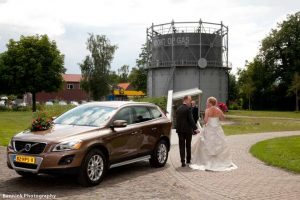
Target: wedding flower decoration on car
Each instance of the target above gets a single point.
(41, 122)
(223, 106)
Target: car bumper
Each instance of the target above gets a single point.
(50, 161)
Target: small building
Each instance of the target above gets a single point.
(124, 90)
(71, 91)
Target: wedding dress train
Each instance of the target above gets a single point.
(210, 150)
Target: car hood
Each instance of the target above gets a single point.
(57, 133)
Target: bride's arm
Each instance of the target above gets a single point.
(206, 116)
(222, 116)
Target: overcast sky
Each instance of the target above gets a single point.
(68, 22)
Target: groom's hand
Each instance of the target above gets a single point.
(196, 131)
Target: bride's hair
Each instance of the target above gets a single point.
(212, 100)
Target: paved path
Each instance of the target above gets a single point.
(252, 180)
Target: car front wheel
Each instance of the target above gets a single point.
(93, 168)
(160, 154)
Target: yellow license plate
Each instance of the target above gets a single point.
(25, 159)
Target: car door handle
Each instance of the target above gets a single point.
(154, 129)
(134, 133)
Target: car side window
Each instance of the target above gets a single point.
(125, 114)
(142, 114)
(155, 112)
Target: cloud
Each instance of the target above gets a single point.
(125, 23)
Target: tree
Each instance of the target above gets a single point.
(138, 74)
(138, 78)
(32, 64)
(295, 88)
(113, 78)
(95, 68)
(232, 88)
(246, 84)
(271, 71)
(123, 73)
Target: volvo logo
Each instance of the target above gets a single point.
(27, 147)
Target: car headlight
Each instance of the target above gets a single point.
(69, 145)
(10, 145)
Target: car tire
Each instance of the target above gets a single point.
(26, 174)
(160, 154)
(93, 168)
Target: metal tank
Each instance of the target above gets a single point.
(185, 55)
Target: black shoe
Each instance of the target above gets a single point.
(183, 165)
(188, 162)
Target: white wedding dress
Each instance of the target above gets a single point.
(210, 150)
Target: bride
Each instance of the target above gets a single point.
(210, 150)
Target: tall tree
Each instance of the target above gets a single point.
(138, 74)
(96, 66)
(123, 73)
(232, 88)
(32, 64)
(295, 88)
(272, 70)
(246, 84)
(113, 78)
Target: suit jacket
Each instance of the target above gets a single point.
(184, 120)
(195, 114)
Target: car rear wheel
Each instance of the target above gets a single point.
(93, 168)
(160, 154)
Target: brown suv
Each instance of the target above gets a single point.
(92, 138)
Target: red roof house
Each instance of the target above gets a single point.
(71, 91)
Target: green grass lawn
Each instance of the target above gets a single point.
(281, 152)
(12, 122)
(283, 114)
(266, 121)
(259, 125)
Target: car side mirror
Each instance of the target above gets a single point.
(118, 124)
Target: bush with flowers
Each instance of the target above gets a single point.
(223, 106)
(41, 122)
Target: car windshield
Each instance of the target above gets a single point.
(86, 115)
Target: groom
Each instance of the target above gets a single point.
(185, 126)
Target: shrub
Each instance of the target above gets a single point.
(159, 101)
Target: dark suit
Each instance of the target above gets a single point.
(185, 126)
(195, 114)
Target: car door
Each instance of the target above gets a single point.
(123, 141)
(148, 129)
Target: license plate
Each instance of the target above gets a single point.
(25, 159)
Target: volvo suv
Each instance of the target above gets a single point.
(92, 138)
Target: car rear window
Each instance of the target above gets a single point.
(142, 114)
(155, 112)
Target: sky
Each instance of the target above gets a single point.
(124, 22)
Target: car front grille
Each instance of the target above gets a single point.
(25, 165)
(35, 147)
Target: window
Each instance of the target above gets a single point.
(125, 114)
(142, 114)
(155, 112)
(70, 86)
(86, 115)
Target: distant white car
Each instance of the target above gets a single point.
(49, 103)
(62, 103)
(74, 103)
(23, 104)
(2, 103)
